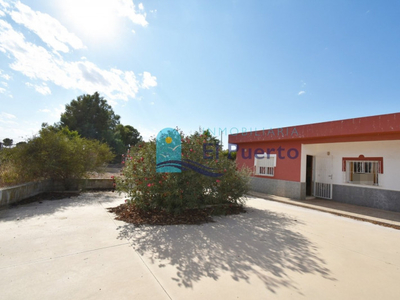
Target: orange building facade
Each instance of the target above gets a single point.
(353, 161)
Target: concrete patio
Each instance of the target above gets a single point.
(74, 249)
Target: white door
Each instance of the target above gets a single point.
(323, 177)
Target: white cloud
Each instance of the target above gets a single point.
(5, 76)
(133, 31)
(301, 93)
(141, 7)
(2, 13)
(42, 89)
(100, 20)
(148, 80)
(127, 9)
(4, 83)
(54, 113)
(38, 63)
(46, 27)
(4, 4)
(6, 118)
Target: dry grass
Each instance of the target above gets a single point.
(10, 176)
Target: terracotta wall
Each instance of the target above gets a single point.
(288, 154)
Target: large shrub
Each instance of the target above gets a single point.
(175, 192)
(60, 155)
(11, 173)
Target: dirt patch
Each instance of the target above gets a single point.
(131, 214)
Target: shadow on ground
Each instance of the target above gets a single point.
(46, 206)
(259, 242)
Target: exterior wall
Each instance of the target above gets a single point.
(287, 164)
(381, 127)
(286, 179)
(329, 142)
(290, 189)
(290, 174)
(370, 197)
(389, 150)
(385, 196)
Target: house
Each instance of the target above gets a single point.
(355, 161)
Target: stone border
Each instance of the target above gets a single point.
(17, 193)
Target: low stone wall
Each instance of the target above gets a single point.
(290, 189)
(367, 196)
(17, 193)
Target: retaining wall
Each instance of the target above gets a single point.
(17, 193)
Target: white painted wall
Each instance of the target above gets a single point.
(389, 150)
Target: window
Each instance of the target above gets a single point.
(265, 164)
(363, 172)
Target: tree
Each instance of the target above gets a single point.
(20, 144)
(7, 142)
(91, 117)
(128, 135)
(125, 137)
(175, 192)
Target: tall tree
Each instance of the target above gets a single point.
(7, 142)
(92, 117)
(128, 135)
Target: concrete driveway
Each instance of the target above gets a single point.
(74, 249)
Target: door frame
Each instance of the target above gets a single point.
(310, 171)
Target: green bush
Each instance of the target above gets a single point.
(60, 155)
(175, 192)
(9, 171)
(231, 155)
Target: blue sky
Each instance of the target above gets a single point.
(214, 64)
